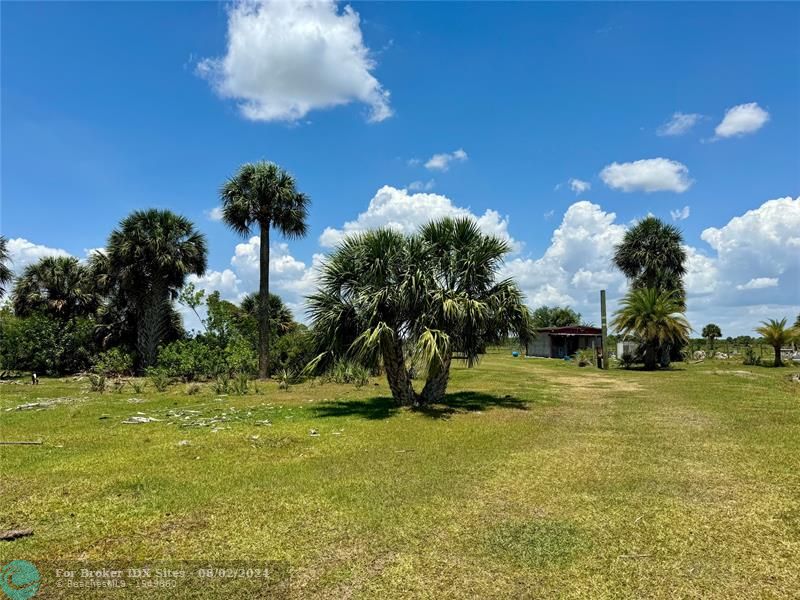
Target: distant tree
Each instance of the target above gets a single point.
(797, 322)
(655, 317)
(281, 320)
(262, 195)
(777, 335)
(5, 271)
(555, 316)
(711, 332)
(58, 286)
(149, 257)
(651, 255)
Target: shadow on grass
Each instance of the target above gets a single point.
(384, 407)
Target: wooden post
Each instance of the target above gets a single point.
(604, 325)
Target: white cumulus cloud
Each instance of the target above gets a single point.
(681, 214)
(285, 59)
(215, 214)
(679, 124)
(22, 253)
(423, 186)
(647, 175)
(406, 212)
(441, 162)
(579, 186)
(759, 283)
(741, 120)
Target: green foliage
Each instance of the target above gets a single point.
(159, 378)
(57, 286)
(5, 271)
(585, 357)
(262, 195)
(651, 255)
(433, 296)
(147, 260)
(240, 384)
(97, 382)
(750, 357)
(293, 351)
(190, 360)
(655, 317)
(555, 316)
(113, 362)
(626, 360)
(138, 386)
(711, 332)
(777, 335)
(241, 357)
(45, 344)
(192, 389)
(347, 372)
(222, 383)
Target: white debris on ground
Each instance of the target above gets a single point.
(43, 403)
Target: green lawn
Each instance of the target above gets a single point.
(536, 479)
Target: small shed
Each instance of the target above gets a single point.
(560, 342)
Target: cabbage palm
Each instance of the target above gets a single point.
(651, 255)
(655, 317)
(262, 195)
(777, 335)
(416, 301)
(148, 258)
(59, 286)
(5, 271)
(281, 320)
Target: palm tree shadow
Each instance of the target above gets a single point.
(384, 407)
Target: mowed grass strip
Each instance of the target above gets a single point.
(534, 479)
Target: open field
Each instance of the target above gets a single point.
(536, 479)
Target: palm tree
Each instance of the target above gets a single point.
(148, 258)
(777, 335)
(416, 301)
(711, 332)
(281, 320)
(655, 317)
(59, 286)
(263, 195)
(651, 255)
(5, 271)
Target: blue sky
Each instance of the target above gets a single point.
(116, 106)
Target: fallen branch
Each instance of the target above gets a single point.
(33, 443)
(13, 534)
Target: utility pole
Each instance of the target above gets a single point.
(604, 324)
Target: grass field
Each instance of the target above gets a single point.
(536, 479)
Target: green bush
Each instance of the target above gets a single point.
(240, 384)
(750, 357)
(585, 357)
(45, 345)
(626, 360)
(113, 362)
(347, 372)
(159, 378)
(292, 352)
(97, 383)
(240, 356)
(189, 360)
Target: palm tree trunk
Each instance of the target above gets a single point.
(436, 385)
(263, 304)
(650, 357)
(397, 375)
(778, 360)
(152, 325)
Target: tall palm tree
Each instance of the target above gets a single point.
(149, 256)
(263, 195)
(651, 255)
(416, 301)
(777, 335)
(59, 286)
(655, 317)
(711, 332)
(5, 271)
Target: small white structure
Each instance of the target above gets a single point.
(626, 347)
(560, 342)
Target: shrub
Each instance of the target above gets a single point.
(292, 352)
(113, 362)
(240, 356)
(222, 383)
(159, 378)
(138, 386)
(348, 372)
(97, 382)
(118, 385)
(192, 389)
(750, 357)
(240, 384)
(189, 360)
(585, 357)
